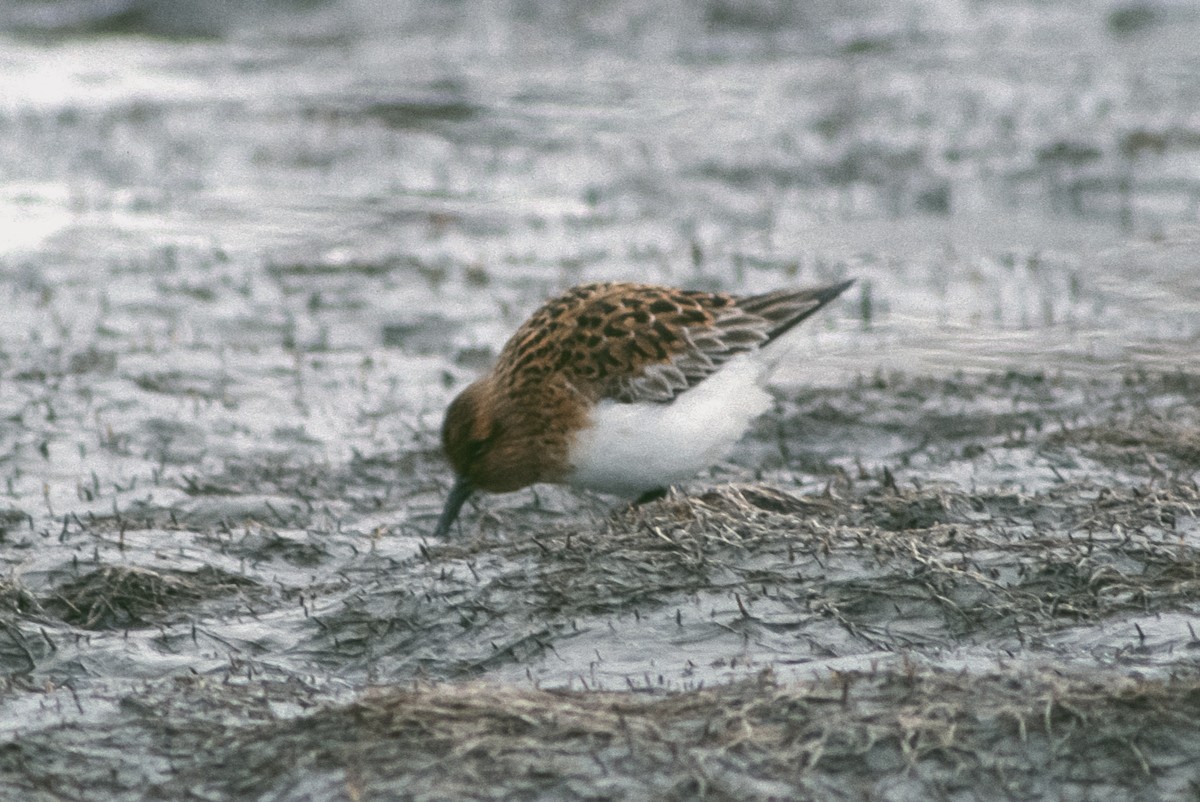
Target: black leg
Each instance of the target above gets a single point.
(650, 495)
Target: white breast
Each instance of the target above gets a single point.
(632, 448)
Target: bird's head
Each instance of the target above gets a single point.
(488, 446)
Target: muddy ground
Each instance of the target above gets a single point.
(247, 257)
(875, 634)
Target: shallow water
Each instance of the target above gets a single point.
(247, 256)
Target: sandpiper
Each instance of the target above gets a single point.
(619, 387)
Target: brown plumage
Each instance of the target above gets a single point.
(614, 342)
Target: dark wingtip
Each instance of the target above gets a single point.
(822, 296)
(462, 490)
(827, 294)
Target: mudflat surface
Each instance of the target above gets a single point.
(247, 256)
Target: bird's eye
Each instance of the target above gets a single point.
(477, 446)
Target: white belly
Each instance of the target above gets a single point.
(632, 448)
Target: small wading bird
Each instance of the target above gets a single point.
(621, 388)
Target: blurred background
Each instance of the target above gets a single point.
(1014, 183)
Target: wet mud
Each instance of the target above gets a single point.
(863, 630)
(874, 734)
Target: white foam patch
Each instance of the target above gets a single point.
(632, 448)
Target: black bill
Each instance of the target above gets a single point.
(462, 490)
